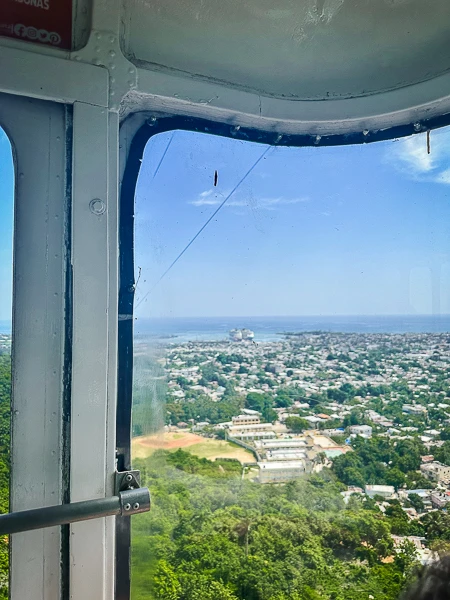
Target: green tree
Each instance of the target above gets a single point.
(416, 502)
(398, 519)
(437, 525)
(395, 477)
(256, 401)
(296, 424)
(269, 415)
(166, 583)
(204, 588)
(442, 454)
(406, 558)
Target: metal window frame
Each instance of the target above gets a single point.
(136, 131)
(66, 264)
(41, 330)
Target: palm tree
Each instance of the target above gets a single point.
(243, 529)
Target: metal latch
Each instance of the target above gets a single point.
(129, 483)
(129, 499)
(127, 480)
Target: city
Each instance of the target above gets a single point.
(372, 410)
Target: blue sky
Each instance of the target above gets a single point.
(312, 231)
(6, 222)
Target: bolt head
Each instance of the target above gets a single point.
(129, 477)
(97, 206)
(127, 506)
(136, 505)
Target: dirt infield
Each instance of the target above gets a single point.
(168, 441)
(144, 446)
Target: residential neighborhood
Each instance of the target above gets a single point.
(315, 401)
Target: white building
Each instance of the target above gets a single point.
(364, 431)
(435, 471)
(292, 454)
(280, 444)
(386, 491)
(425, 555)
(254, 427)
(314, 421)
(246, 420)
(336, 431)
(281, 472)
(440, 499)
(251, 436)
(414, 409)
(256, 431)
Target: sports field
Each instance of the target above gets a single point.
(144, 446)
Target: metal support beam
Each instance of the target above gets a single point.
(52, 77)
(94, 349)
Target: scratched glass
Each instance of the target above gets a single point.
(291, 398)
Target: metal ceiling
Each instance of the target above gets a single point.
(300, 50)
(296, 66)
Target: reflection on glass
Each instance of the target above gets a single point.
(292, 357)
(6, 224)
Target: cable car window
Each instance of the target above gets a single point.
(291, 397)
(6, 228)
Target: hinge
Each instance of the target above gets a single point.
(127, 486)
(126, 480)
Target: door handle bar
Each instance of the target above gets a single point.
(125, 503)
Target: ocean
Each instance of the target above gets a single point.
(272, 328)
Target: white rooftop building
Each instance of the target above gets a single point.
(281, 444)
(364, 431)
(286, 455)
(281, 471)
(414, 409)
(386, 491)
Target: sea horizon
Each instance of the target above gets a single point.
(274, 327)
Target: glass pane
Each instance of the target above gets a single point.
(291, 404)
(6, 229)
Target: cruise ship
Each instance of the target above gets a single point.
(239, 335)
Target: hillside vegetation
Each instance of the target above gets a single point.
(212, 536)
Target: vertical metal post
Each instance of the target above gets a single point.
(94, 260)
